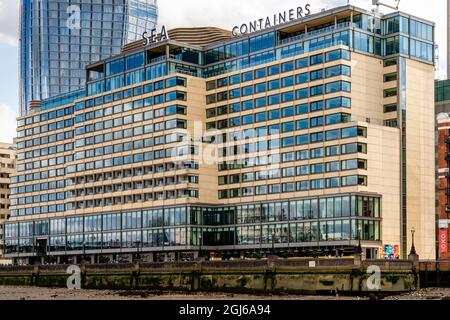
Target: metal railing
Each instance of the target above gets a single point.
(157, 59)
(316, 32)
(262, 264)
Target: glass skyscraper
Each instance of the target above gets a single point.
(58, 38)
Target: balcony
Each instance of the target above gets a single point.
(316, 33)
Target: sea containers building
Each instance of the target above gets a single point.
(305, 138)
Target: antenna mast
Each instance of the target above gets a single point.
(378, 4)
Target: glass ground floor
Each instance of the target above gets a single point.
(330, 225)
(370, 250)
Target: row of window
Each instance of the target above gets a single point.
(112, 188)
(128, 93)
(45, 139)
(117, 161)
(288, 96)
(283, 127)
(148, 88)
(128, 79)
(288, 51)
(57, 149)
(167, 111)
(167, 125)
(292, 156)
(279, 68)
(336, 230)
(46, 116)
(304, 170)
(288, 81)
(157, 113)
(129, 120)
(304, 108)
(292, 141)
(306, 185)
(82, 179)
(53, 126)
(291, 210)
(310, 209)
(152, 141)
(108, 202)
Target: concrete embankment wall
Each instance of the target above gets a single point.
(434, 274)
(265, 276)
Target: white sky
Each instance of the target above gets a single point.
(191, 13)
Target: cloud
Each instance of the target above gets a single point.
(9, 22)
(7, 123)
(226, 14)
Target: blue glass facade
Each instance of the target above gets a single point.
(397, 35)
(58, 38)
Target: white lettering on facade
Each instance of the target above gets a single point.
(152, 36)
(268, 22)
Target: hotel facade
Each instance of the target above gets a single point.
(7, 169)
(305, 138)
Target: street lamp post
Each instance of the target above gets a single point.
(84, 251)
(200, 245)
(359, 248)
(273, 242)
(413, 248)
(138, 245)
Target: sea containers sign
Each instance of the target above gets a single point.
(271, 21)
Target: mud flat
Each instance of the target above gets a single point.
(38, 293)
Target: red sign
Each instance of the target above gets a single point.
(443, 241)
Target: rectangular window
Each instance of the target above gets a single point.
(274, 85)
(316, 122)
(390, 77)
(316, 90)
(302, 109)
(273, 70)
(287, 96)
(287, 81)
(338, 103)
(302, 78)
(302, 63)
(338, 86)
(302, 94)
(390, 108)
(273, 99)
(260, 87)
(316, 75)
(390, 92)
(246, 91)
(316, 59)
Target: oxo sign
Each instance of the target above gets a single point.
(443, 241)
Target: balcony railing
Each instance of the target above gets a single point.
(157, 59)
(316, 32)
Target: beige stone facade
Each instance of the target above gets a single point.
(7, 168)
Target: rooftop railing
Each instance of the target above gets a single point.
(329, 29)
